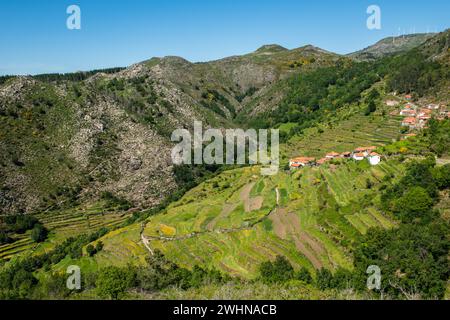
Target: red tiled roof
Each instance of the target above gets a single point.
(323, 160)
(409, 120)
(426, 111)
(333, 154)
(302, 159)
(363, 149)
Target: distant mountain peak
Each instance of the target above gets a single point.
(271, 48)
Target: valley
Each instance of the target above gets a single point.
(91, 161)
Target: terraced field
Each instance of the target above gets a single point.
(321, 212)
(356, 131)
(239, 219)
(65, 224)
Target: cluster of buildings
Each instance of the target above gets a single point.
(417, 118)
(358, 154)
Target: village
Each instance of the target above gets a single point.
(359, 154)
(415, 118)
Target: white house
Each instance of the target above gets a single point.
(359, 156)
(301, 162)
(433, 106)
(374, 159)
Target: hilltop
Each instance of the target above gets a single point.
(392, 45)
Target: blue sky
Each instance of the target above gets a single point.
(34, 37)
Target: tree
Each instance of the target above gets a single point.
(99, 247)
(278, 271)
(91, 250)
(324, 279)
(415, 203)
(113, 282)
(304, 275)
(371, 108)
(39, 233)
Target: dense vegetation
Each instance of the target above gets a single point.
(413, 72)
(74, 76)
(19, 224)
(315, 94)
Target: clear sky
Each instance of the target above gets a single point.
(34, 37)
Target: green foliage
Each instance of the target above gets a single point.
(279, 270)
(113, 201)
(324, 279)
(304, 275)
(315, 94)
(413, 196)
(413, 72)
(90, 250)
(20, 223)
(414, 203)
(113, 282)
(76, 76)
(39, 233)
(413, 258)
(160, 273)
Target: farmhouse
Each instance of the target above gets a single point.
(408, 97)
(409, 122)
(408, 113)
(323, 161)
(346, 155)
(365, 150)
(424, 118)
(301, 162)
(332, 155)
(433, 106)
(359, 156)
(423, 112)
(392, 103)
(374, 159)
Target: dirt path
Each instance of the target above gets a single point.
(146, 243)
(442, 161)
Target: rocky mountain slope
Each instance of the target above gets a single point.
(65, 142)
(391, 45)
